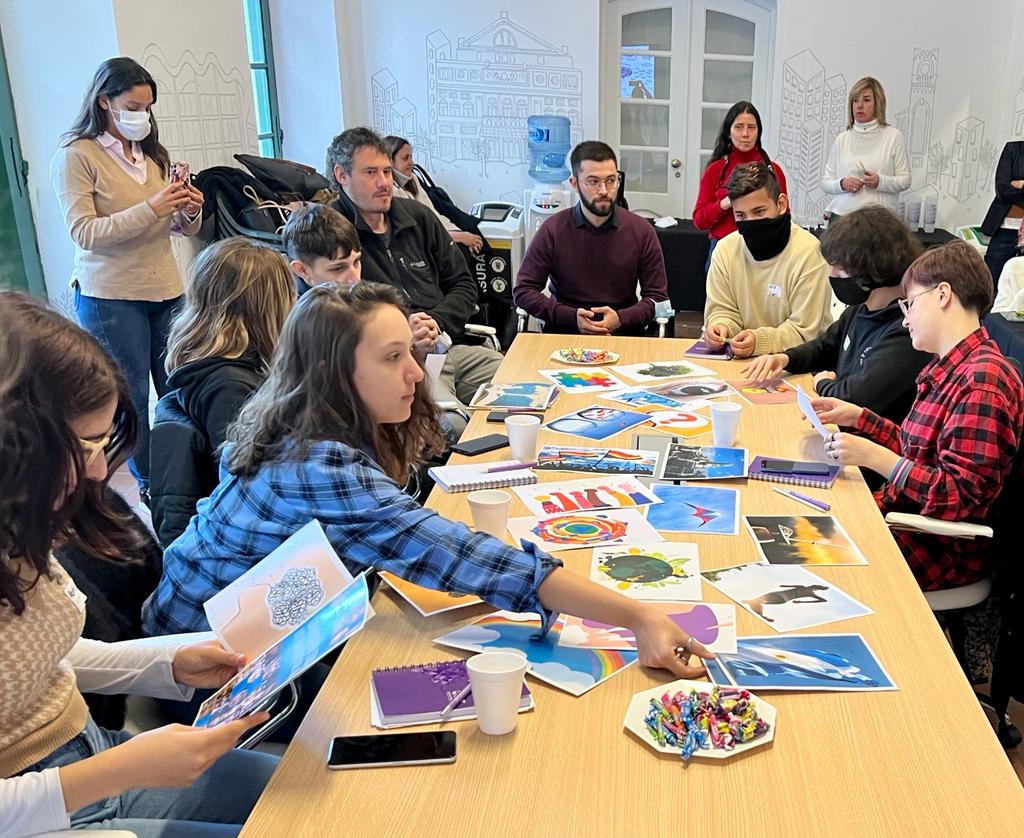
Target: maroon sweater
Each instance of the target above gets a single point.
(592, 266)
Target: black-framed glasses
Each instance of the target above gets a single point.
(908, 302)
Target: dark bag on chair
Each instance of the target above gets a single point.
(289, 179)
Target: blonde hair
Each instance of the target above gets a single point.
(859, 86)
(238, 294)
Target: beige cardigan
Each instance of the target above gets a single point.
(122, 250)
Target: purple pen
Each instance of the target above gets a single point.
(824, 507)
(509, 467)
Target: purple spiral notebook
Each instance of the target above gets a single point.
(814, 481)
(416, 694)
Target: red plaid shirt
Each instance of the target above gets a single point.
(958, 441)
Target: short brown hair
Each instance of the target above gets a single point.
(958, 264)
(859, 86)
(751, 177)
(590, 150)
(871, 244)
(317, 230)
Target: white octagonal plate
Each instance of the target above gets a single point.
(641, 702)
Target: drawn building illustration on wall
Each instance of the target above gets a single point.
(206, 116)
(915, 122)
(964, 167)
(480, 91)
(391, 114)
(1017, 125)
(803, 143)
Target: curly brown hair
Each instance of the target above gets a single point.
(871, 244)
(310, 394)
(53, 372)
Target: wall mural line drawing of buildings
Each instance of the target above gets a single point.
(814, 113)
(479, 92)
(205, 115)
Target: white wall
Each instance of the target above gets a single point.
(971, 86)
(308, 67)
(51, 58)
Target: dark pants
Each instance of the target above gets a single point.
(134, 332)
(1001, 248)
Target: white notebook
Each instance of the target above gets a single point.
(469, 478)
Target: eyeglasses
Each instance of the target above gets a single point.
(593, 183)
(908, 303)
(92, 449)
(111, 445)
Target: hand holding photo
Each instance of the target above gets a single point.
(802, 540)
(787, 598)
(804, 401)
(657, 570)
(596, 422)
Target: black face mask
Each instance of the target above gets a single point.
(848, 291)
(765, 238)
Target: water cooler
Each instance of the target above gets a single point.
(548, 144)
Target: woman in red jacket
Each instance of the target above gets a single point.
(739, 142)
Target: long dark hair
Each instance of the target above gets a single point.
(723, 144)
(310, 394)
(114, 77)
(52, 371)
(395, 144)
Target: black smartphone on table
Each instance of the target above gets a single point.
(388, 749)
(793, 467)
(502, 415)
(480, 445)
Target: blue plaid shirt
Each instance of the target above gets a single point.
(368, 520)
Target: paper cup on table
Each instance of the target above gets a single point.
(725, 422)
(497, 682)
(522, 436)
(489, 508)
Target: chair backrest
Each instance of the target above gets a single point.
(181, 468)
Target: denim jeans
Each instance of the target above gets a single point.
(1001, 248)
(712, 244)
(134, 332)
(217, 804)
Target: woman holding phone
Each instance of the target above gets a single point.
(121, 203)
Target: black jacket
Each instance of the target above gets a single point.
(1009, 168)
(875, 363)
(422, 261)
(190, 426)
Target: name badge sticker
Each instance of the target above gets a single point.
(775, 290)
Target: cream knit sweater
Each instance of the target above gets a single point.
(785, 300)
(122, 250)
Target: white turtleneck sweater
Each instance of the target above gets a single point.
(867, 147)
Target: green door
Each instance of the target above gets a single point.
(20, 267)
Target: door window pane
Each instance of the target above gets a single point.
(727, 81)
(710, 125)
(261, 92)
(254, 32)
(728, 35)
(267, 147)
(646, 171)
(643, 124)
(648, 30)
(644, 76)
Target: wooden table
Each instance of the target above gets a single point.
(919, 761)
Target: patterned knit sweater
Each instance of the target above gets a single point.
(40, 706)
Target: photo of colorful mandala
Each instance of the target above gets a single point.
(583, 530)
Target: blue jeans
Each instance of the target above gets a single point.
(215, 806)
(1001, 248)
(134, 332)
(712, 244)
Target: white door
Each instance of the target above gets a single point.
(672, 70)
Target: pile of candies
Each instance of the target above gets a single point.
(577, 355)
(722, 718)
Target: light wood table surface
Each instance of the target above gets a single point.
(919, 761)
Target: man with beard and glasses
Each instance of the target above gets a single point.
(768, 285)
(592, 256)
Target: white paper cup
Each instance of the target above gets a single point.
(522, 436)
(497, 682)
(725, 422)
(489, 508)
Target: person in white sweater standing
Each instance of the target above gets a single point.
(122, 202)
(868, 162)
(64, 415)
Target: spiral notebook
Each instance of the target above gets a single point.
(814, 481)
(416, 694)
(469, 478)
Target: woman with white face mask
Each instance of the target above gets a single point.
(121, 204)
